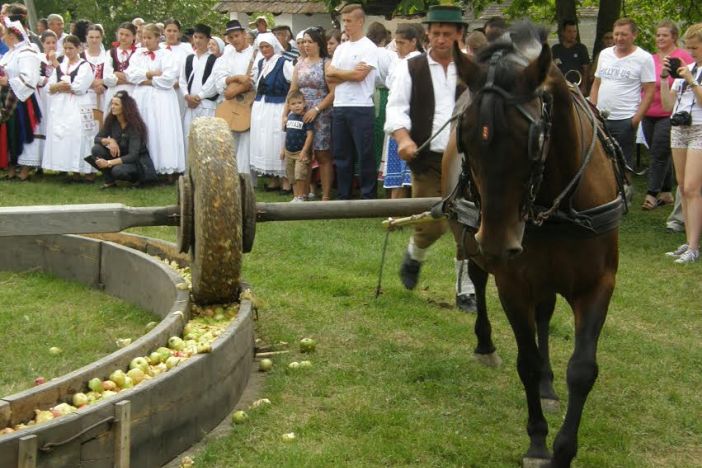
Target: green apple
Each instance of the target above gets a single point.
(128, 382)
(80, 399)
(95, 385)
(307, 345)
(305, 364)
(55, 350)
(294, 365)
(150, 326)
(118, 377)
(265, 365)
(239, 417)
(155, 357)
(139, 363)
(137, 375)
(175, 342)
(204, 348)
(289, 437)
(164, 352)
(172, 361)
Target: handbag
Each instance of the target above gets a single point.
(237, 111)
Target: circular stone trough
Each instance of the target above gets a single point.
(150, 424)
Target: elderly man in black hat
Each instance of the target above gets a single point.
(197, 81)
(422, 99)
(231, 75)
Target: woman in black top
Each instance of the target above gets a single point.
(120, 149)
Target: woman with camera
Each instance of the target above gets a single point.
(684, 98)
(656, 122)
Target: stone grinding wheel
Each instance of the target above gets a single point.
(217, 244)
(248, 212)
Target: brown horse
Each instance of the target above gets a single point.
(546, 188)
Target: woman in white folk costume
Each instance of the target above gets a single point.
(114, 76)
(271, 76)
(19, 111)
(181, 50)
(154, 73)
(71, 126)
(48, 65)
(197, 81)
(96, 56)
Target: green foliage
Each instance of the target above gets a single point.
(110, 13)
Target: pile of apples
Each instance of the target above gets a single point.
(207, 325)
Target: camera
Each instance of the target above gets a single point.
(681, 119)
(675, 63)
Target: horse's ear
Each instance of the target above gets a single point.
(537, 71)
(466, 68)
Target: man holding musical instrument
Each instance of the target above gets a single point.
(234, 84)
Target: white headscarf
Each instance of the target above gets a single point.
(220, 44)
(17, 27)
(270, 39)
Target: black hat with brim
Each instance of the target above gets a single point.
(202, 29)
(444, 14)
(233, 25)
(282, 27)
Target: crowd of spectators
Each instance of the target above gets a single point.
(328, 90)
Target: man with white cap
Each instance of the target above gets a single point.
(231, 75)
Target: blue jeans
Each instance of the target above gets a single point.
(625, 134)
(352, 136)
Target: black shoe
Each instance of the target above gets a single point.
(409, 272)
(466, 303)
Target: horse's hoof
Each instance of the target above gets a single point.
(550, 406)
(488, 360)
(536, 462)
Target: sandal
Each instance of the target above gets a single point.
(650, 203)
(665, 198)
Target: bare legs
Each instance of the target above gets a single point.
(688, 171)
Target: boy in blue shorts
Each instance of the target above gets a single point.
(298, 146)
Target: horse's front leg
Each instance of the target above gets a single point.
(544, 312)
(520, 312)
(485, 350)
(590, 311)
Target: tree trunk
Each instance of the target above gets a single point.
(606, 16)
(565, 9)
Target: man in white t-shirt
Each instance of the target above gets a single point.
(625, 82)
(354, 67)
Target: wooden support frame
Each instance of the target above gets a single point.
(27, 452)
(122, 426)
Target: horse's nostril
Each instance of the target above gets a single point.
(513, 252)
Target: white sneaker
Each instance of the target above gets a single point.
(690, 256)
(311, 196)
(297, 200)
(677, 252)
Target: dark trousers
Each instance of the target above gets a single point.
(625, 134)
(660, 171)
(352, 137)
(127, 172)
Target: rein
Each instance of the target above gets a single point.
(595, 220)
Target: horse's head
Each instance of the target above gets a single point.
(502, 135)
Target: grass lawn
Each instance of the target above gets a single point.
(394, 382)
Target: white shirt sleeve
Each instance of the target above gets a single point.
(397, 111)
(108, 73)
(136, 72)
(288, 70)
(84, 78)
(25, 84)
(169, 72)
(182, 79)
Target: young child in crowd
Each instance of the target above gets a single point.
(298, 146)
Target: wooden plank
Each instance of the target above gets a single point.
(5, 414)
(122, 434)
(27, 452)
(344, 209)
(81, 219)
